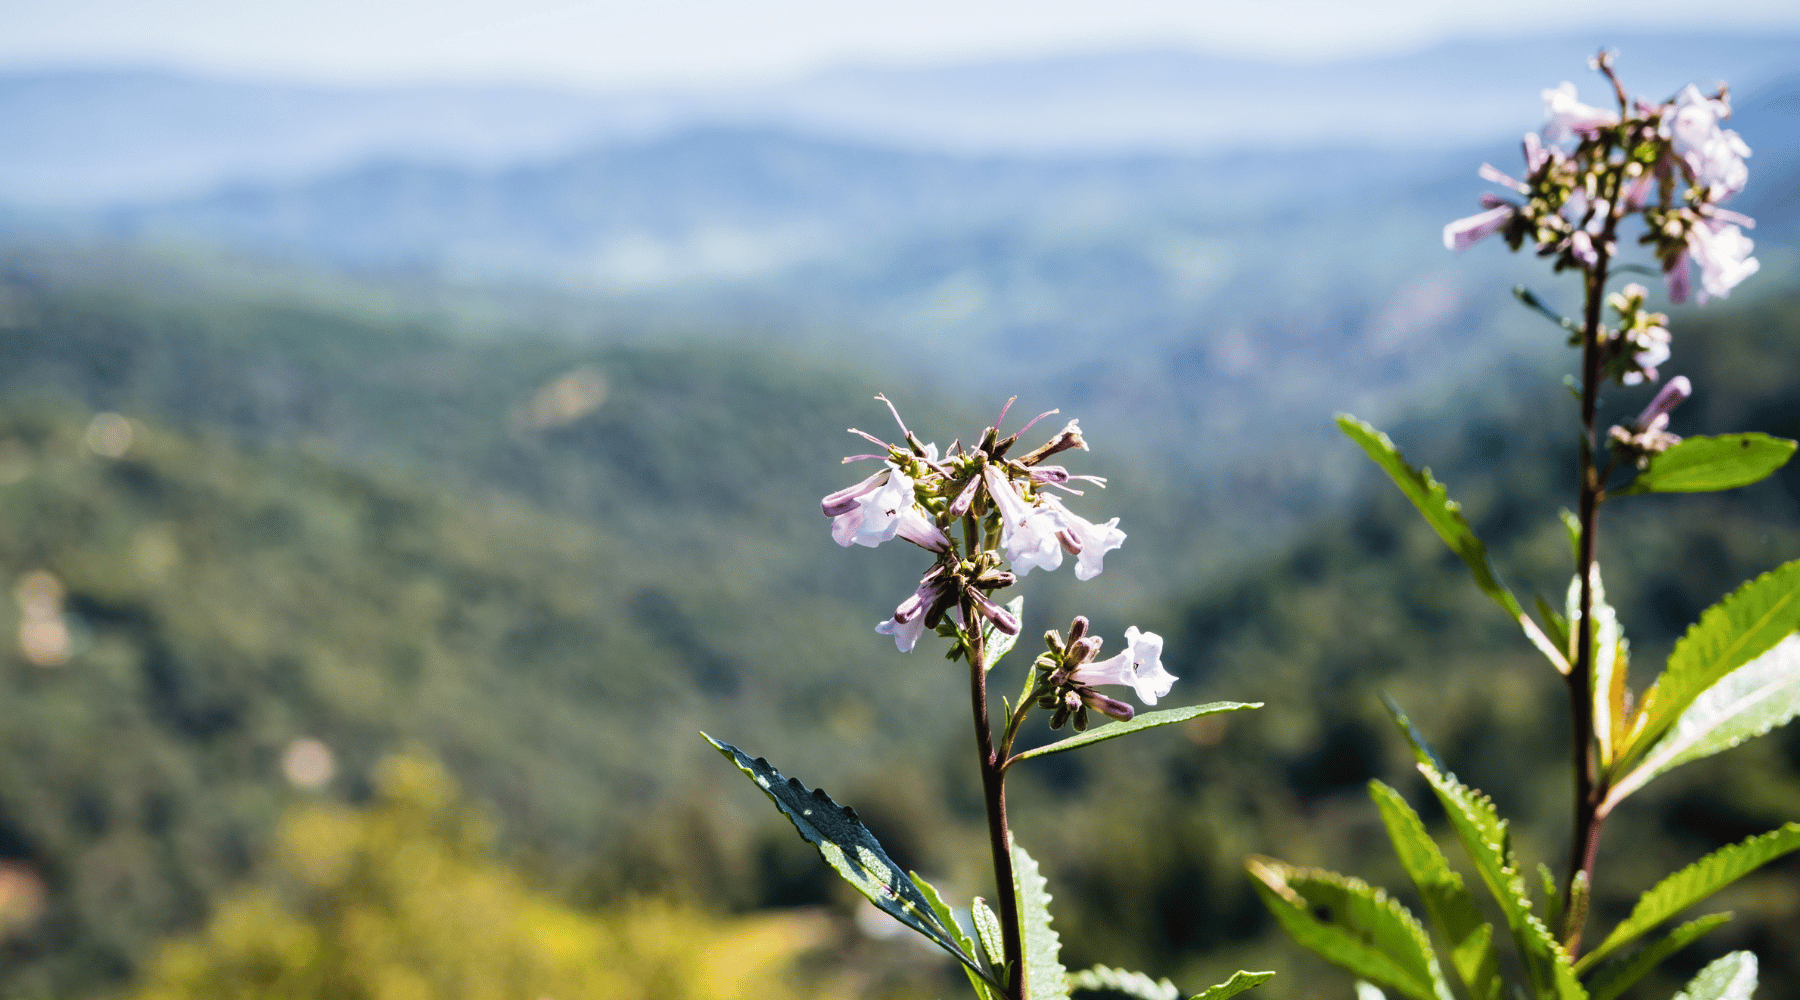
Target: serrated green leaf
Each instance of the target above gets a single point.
(1149, 720)
(1750, 701)
(1572, 526)
(1447, 902)
(1553, 901)
(1730, 978)
(850, 849)
(993, 939)
(1740, 628)
(1556, 628)
(1484, 837)
(947, 917)
(1620, 975)
(1045, 977)
(1693, 884)
(1238, 983)
(1606, 681)
(1422, 751)
(995, 643)
(1706, 464)
(1446, 518)
(1131, 984)
(1347, 922)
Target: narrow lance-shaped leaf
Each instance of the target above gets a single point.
(1446, 518)
(1706, 464)
(1730, 978)
(1131, 984)
(987, 927)
(1620, 975)
(1238, 983)
(1750, 701)
(947, 918)
(1149, 720)
(1045, 977)
(1731, 633)
(850, 849)
(1451, 908)
(1484, 836)
(1352, 925)
(1693, 884)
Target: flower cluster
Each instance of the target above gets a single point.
(990, 518)
(1067, 674)
(1673, 163)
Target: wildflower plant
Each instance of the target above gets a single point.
(987, 516)
(1735, 674)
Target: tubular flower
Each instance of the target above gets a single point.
(1088, 541)
(1466, 232)
(1138, 667)
(1649, 434)
(1566, 116)
(1714, 156)
(1027, 531)
(1723, 253)
(879, 508)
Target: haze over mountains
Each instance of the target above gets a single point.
(1164, 240)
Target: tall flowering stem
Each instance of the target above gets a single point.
(1675, 166)
(978, 510)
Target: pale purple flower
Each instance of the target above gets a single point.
(906, 634)
(1465, 233)
(1139, 667)
(1581, 245)
(869, 512)
(1027, 531)
(882, 507)
(1723, 253)
(908, 621)
(1566, 116)
(1649, 434)
(1088, 541)
(1714, 156)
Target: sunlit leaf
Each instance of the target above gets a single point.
(1131, 984)
(850, 849)
(1693, 884)
(1045, 977)
(1446, 518)
(1447, 902)
(1238, 983)
(993, 939)
(1609, 665)
(1705, 464)
(1149, 720)
(1357, 927)
(1750, 701)
(1731, 633)
(947, 918)
(1730, 978)
(1484, 837)
(1620, 975)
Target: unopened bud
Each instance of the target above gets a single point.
(1085, 650)
(1078, 628)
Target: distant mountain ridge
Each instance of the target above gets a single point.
(87, 138)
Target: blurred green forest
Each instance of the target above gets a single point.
(547, 563)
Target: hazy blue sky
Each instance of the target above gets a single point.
(628, 43)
